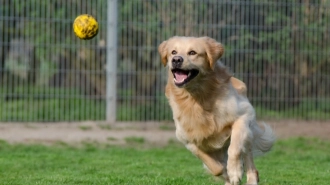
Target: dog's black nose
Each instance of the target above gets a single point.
(177, 61)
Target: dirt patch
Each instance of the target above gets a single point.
(152, 132)
(298, 128)
(77, 132)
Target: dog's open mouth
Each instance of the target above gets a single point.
(182, 77)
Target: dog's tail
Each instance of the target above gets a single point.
(264, 139)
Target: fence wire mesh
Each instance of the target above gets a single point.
(280, 49)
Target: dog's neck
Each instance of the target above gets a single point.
(206, 87)
(195, 102)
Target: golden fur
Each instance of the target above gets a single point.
(212, 114)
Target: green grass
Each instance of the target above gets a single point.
(134, 140)
(292, 162)
(85, 127)
(296, 161)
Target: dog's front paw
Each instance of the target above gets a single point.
(235, 171)
(235, 181)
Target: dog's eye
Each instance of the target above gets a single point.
(192, 52)
(174, 52)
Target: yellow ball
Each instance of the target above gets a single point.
(85, 27)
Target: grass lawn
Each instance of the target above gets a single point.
(295, 161)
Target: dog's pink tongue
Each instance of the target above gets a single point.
(180, 76)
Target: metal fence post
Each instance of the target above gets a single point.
(111, 66)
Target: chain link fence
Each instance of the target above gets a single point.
(280, 49)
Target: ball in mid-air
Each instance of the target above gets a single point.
(85, 27)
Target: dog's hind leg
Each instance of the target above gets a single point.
(238, 85)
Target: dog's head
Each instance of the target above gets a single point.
(189, 57)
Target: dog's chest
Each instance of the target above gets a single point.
(216, 141)
(206, 126)
(208, 137)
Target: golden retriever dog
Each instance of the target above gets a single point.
(212, 115)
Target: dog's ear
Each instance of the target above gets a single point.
(214, 50)
(162, 49)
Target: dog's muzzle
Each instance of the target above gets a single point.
(182, 76)
(177, 62)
